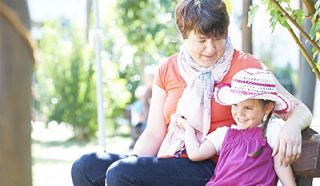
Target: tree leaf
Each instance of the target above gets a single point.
(229, 6)
(299, 16)
(252, 12)
(315, 53)
(314, 30)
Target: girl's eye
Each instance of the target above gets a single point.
(201, 41)
(249, 108)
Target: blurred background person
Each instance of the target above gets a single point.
(138, 114)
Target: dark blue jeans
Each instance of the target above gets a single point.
(118, 170)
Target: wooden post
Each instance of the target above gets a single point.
(16, 66)
(246, 31)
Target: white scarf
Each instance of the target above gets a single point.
(195, 102)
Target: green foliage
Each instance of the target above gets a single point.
(116, 94)
(65, 78)
(148, 24)
(277, 17)
(229, 6)
(252, 12)
(315, 31)
(299, 16)
(66, 81)
(150, 29)
(281, 12)
(315, 53)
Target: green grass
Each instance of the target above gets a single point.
(53, 152)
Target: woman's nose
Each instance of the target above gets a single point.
(210, 48)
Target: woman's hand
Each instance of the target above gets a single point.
(289, 141)
(288, 145)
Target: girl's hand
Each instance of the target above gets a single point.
(288, 145)
(182, 122)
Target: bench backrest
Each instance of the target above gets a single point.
(308, 166)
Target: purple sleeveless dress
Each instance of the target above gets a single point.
(236, 168)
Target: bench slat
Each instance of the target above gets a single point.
(308, 164)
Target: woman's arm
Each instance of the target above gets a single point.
(196, 151)
(150, 140)
(289, 141)
(285, 174)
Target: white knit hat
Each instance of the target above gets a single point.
(251, 83)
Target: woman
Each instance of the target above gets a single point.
(206, 60)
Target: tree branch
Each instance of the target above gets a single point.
(304, 34)
(305, 53)
(309, 4)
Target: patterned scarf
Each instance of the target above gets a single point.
(195, 102)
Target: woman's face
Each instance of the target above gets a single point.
(250, 113)
(204, 50)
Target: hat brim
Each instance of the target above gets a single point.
(224, 96)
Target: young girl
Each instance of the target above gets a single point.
(245, 149)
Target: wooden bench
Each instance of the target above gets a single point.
(308, 165)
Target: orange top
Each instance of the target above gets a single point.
(169, 79)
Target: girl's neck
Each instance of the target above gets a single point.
(253, 126)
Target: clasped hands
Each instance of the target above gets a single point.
(182, 122)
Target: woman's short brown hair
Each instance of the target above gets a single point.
(207, 17)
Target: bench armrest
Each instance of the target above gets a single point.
(308, 165)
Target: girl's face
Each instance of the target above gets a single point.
(204, 50)
(250, 113)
